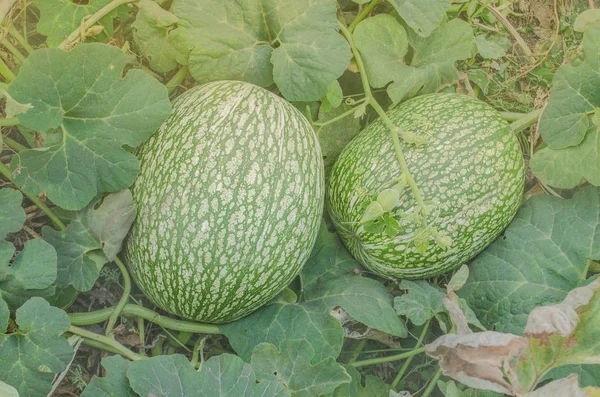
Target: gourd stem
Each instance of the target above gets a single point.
(511, 116)
(177, 78)
(13, 50)
(343, 115)
(388, 359)
(4, 170)
(112, 320)
(432, 383)
(357, 351)
(21, 39)
(89, 22)
(11, 143)
(393, 129)
(408, 360)
(9, 122)
(122, 350)
(147, 314)
(363, 14)
(142, 335)
(526, 121)
(6, 72)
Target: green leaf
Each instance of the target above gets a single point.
(363, 298)
(540, 258)
(589, 375)
(277, 322)
(586, 19)
(334, 137)
(493, 47)
(11, 212)
(7, 390)
(373, 386)
(575, 93)
(92, 237)
(424, 16)
(59, 18)
(291, 366)
(433, 61)
(114, 384)
(569, 167)
(421, 301)
(220, 376)
(479, 77)
(334, 95)
(382, 43)
(81, 92)
(151, 32)
(36, 351)
(591, 46)
(32, 272)
(235, 41)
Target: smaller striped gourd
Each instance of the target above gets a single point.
(470, 174)
(230, 198)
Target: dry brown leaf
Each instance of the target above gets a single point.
(456, 314)
(479, 360)
(560, 318)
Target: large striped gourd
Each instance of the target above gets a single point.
(471, 172)
(230, 196)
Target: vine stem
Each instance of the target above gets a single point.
(122, 350)
(363, 14)
(6, 72)
(89, 22)
(432, 383)
(511, 29)
(177, 78)
(147, 314)
(16, 146)
(357, 351)
(9, 122)
(13, 50)
(112, 320)
(408, 360)
(4, 170)
(526, 121)
(21, 39)
(388, 359)
(394, 130)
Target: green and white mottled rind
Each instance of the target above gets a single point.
(230, 197)
(472, 169)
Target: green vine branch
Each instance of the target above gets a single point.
(409, 360)
(112, 320)
(129, 309)
(395, 131)
(388, 359)
(104, 340)
(363, 14)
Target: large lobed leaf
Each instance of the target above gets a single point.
(543, 254)
(82, 94)
(235, 40)
(36, 351)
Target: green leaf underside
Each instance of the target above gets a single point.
(567, 168)
(7, 390)
(32, 272)
(493, 47)
(291, 365)
(575, 92)
(114, 384)
(373, 386)
(423, 16)
(540, 258)
(329, 281)
(81, 93)
(234, 41)
(11, 212)
(421, 302)
(93, 237)
(151, 30)
(59, 18)
(433, 60)
(37, 343)
(383, 44)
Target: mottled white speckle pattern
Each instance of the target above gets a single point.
(472, 169)
(230, 197)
